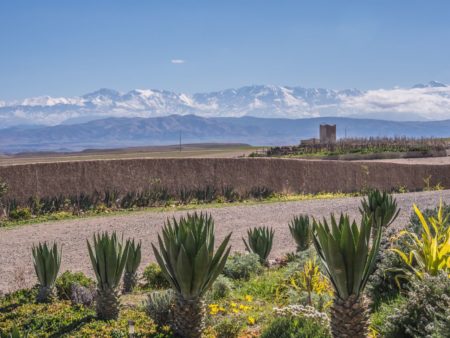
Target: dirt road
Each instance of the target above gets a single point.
(16, 268)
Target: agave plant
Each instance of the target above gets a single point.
(348, 254)
(47, 262)
(187, 259)
(300, 229)
(108, 257)
(429, 254)
(381, 206)
(133, 261)
(260, 242)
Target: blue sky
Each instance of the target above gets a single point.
(68, 48)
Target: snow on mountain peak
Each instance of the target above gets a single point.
(48, 101)
(431, 84)
(429, 101)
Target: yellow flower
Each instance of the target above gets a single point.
(248, 298)
(235, 311)
(213, 309)
(233, 304)
(251, 320)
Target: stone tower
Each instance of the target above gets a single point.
(327, 133)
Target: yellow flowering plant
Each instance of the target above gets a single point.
(429, 253)
(309, 280)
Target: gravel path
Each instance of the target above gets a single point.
(16, 268)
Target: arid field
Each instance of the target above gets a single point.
(172, 151)
(15, 243)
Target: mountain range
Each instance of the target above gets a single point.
(128, 132)
(430, 101)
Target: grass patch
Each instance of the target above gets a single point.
(275, 198)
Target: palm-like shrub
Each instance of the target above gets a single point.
(382, 207)
(260, 240)
(348, 254)
(133, 261)
(187, 259)
(108, 257)
(300, 229)
(46, 261)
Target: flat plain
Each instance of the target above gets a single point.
(172, 151)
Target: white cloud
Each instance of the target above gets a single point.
(429, 103)
(177, 61)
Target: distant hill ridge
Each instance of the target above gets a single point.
(128, 132)
(430, 101)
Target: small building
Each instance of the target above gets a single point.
(310, 141)
(327, 133)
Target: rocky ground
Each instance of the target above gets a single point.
(16, 269)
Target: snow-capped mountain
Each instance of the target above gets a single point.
(421, 102)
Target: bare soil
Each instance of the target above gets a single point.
(187, 151)
(16, 267)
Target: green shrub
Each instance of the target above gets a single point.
(384, 311)
(221, 288)
(154, 278)
(65, 281)
(382, 284)
(3, 188)
(242, 266)
(3, 191)
(228, 328)
(260, 193)
(423, 311)
(443, 325)
(301, 327)
(14, 333)
(159, 306)
(20, 214)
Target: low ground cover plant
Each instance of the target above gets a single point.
(154, 278)
(67, 280)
